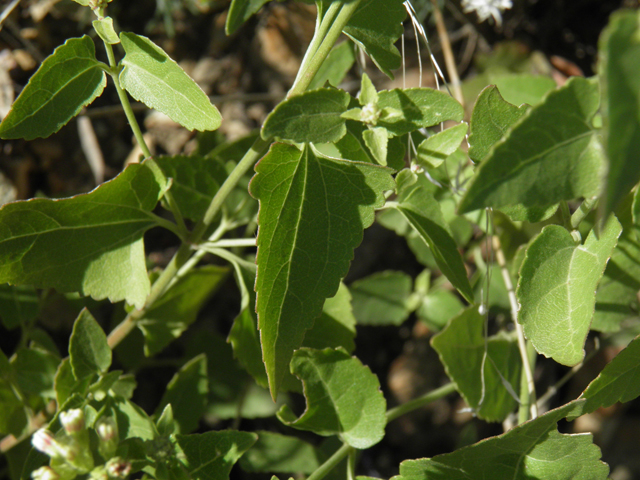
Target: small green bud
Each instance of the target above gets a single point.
(370, 114)
(107, 431)
(72, 421)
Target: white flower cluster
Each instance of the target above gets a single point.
(487, 8)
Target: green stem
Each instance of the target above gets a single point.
(331, 462)
(566, 215)
(419, 402)
(135, 127)
(583, 210)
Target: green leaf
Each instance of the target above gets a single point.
(438, 307)
(423, 212)
(532, 450)
(335, 67)
(281, 454)
(557, 286)
(239, 12)
(69, 79)
(134, 422)
(619, 381)
(14, 415)
(343, 397)
(153, 78)
(179, 306)
(542, 162)
(210, 456)
(376, 26)
(491, 118)
(90, 243)
(328, 202)
(515, 88)
(377, 139)
(617, 295)
(420, 107)
(89, 351)
(381, 298)
(19, 305)
(619, 48)
(194, 182)
(484, 382)
(433, 151)
(104, 28)
(313, 116)
(187, 393)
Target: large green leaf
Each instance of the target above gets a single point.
(313, 116)
(210, 456)
(557, 286)
(420, 107)
(187, 393)
(153, 78)
(491, 118)
(69, 79)
(381, 298)
(376, 26)
(281, 454)
(483, 381)
(532, 450)
(313, 210)
(423, 213)
(619, 70)
(239, 12)
(541, 162)
(619, 381)
(89, 352)
(90, 243)
(343, 397)
(194, 182)
(179, 306)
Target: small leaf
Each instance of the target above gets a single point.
(542, 162)
(619, 47)
(187, 393)
(179, 306)
(14, 414)
(377, 140)
(89, 351)
(104, 28)
(210, 456)
(438, 307)
(153, 78)
(491, 118)
(343, 397)
(556, 290)
(335, 67)
(381, 298)
(435, 149)
(239, 12)
(328, 202)
(368, 93)
(312, 117)
(619, 381)
(483, 382)
(69, 79)
(532, 450)
(90, 243)
(281, 454)
(423, 213)
(133, 422)
(420, 107)
(376, 26)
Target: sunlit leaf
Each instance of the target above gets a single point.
(313, 116)
(486, 383)
(619, 71)
(343, 397)
(90, 243)
(153, 78)
(69, 79)
(542, 162)
(328, 203)
(240, 11)
(89, 351)
(557, 286)
(532, 450)
(435, 149)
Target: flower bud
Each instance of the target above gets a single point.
(107, 431)
(72, 420)
(44, 441)
(370, 114)
(45, 473)
(118, 468)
